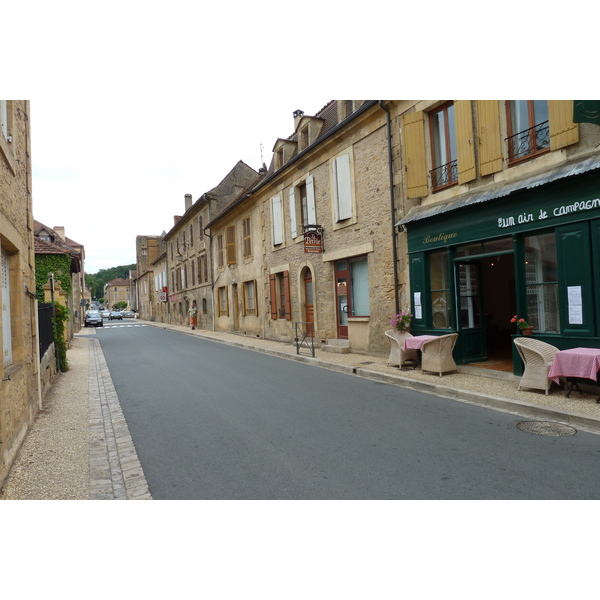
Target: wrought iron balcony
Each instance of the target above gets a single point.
(529, 142)
(445, 175)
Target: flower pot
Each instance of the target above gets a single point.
(527, 330)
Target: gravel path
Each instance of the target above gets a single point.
(53, 463)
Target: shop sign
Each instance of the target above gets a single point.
(313, 240)
(559, 211)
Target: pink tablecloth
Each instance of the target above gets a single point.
(416, 342)
(576, 362)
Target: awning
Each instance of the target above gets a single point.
(418, 213)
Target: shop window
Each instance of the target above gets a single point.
(528, 129)
(354, 274)
(443, 147)
(440, 289)
(541, 279)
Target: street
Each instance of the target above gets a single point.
(210, 421)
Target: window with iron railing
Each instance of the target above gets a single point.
(528, 129)
(443, 147)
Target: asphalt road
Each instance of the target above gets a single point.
(211, 421)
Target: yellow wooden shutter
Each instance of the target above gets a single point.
(563, 132)
(230, 244)
(490, 136)
(414, 151)
(465, 149)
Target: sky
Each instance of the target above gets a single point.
(109, 169)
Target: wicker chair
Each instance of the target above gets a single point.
(437, 354)
(537, 357)
(398, 356)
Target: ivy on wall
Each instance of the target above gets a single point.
(59, 264)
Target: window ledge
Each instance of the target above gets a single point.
(359, 319)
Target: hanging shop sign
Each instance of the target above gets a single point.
(313, 239)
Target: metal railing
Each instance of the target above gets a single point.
(444, 175)
(529, 141)
(305, 337)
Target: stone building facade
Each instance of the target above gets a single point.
(20, 390)
(117, 290)
(502, 218)
(322, 258)
(148, 248)
(190, 271)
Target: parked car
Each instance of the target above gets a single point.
(93, 318)
(105, 314)
(115, 314)
(129, 314)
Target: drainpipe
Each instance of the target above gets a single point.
(392, 206)
(210, 264)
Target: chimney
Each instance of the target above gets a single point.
(298, 114)
(188, 201)
(60, 232)
(176, 219)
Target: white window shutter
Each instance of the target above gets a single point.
(310, 200)
(293, 226)
(4, 118)
(6, 331)
(343, 190)
(276, 215)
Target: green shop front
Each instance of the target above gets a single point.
(531, 249)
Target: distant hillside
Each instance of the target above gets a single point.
(96, 281)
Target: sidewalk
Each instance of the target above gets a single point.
(80, 448)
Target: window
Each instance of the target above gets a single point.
(223, 302)
(528, 128)
(6, 316)
(249, 307)
(193, 282)
(277, 220)
(191, 235)
(220, 251)
(440, 289)
(541, 278)
(443, 147)
(200, 228)
(359, 288)
(247, 238)
(204, 306)
(230, 241)
(353, 275)
(303, 138)
(342, 188)
(302, 206)
(280, 295)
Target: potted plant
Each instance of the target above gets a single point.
(401, 322)
(523, 325)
